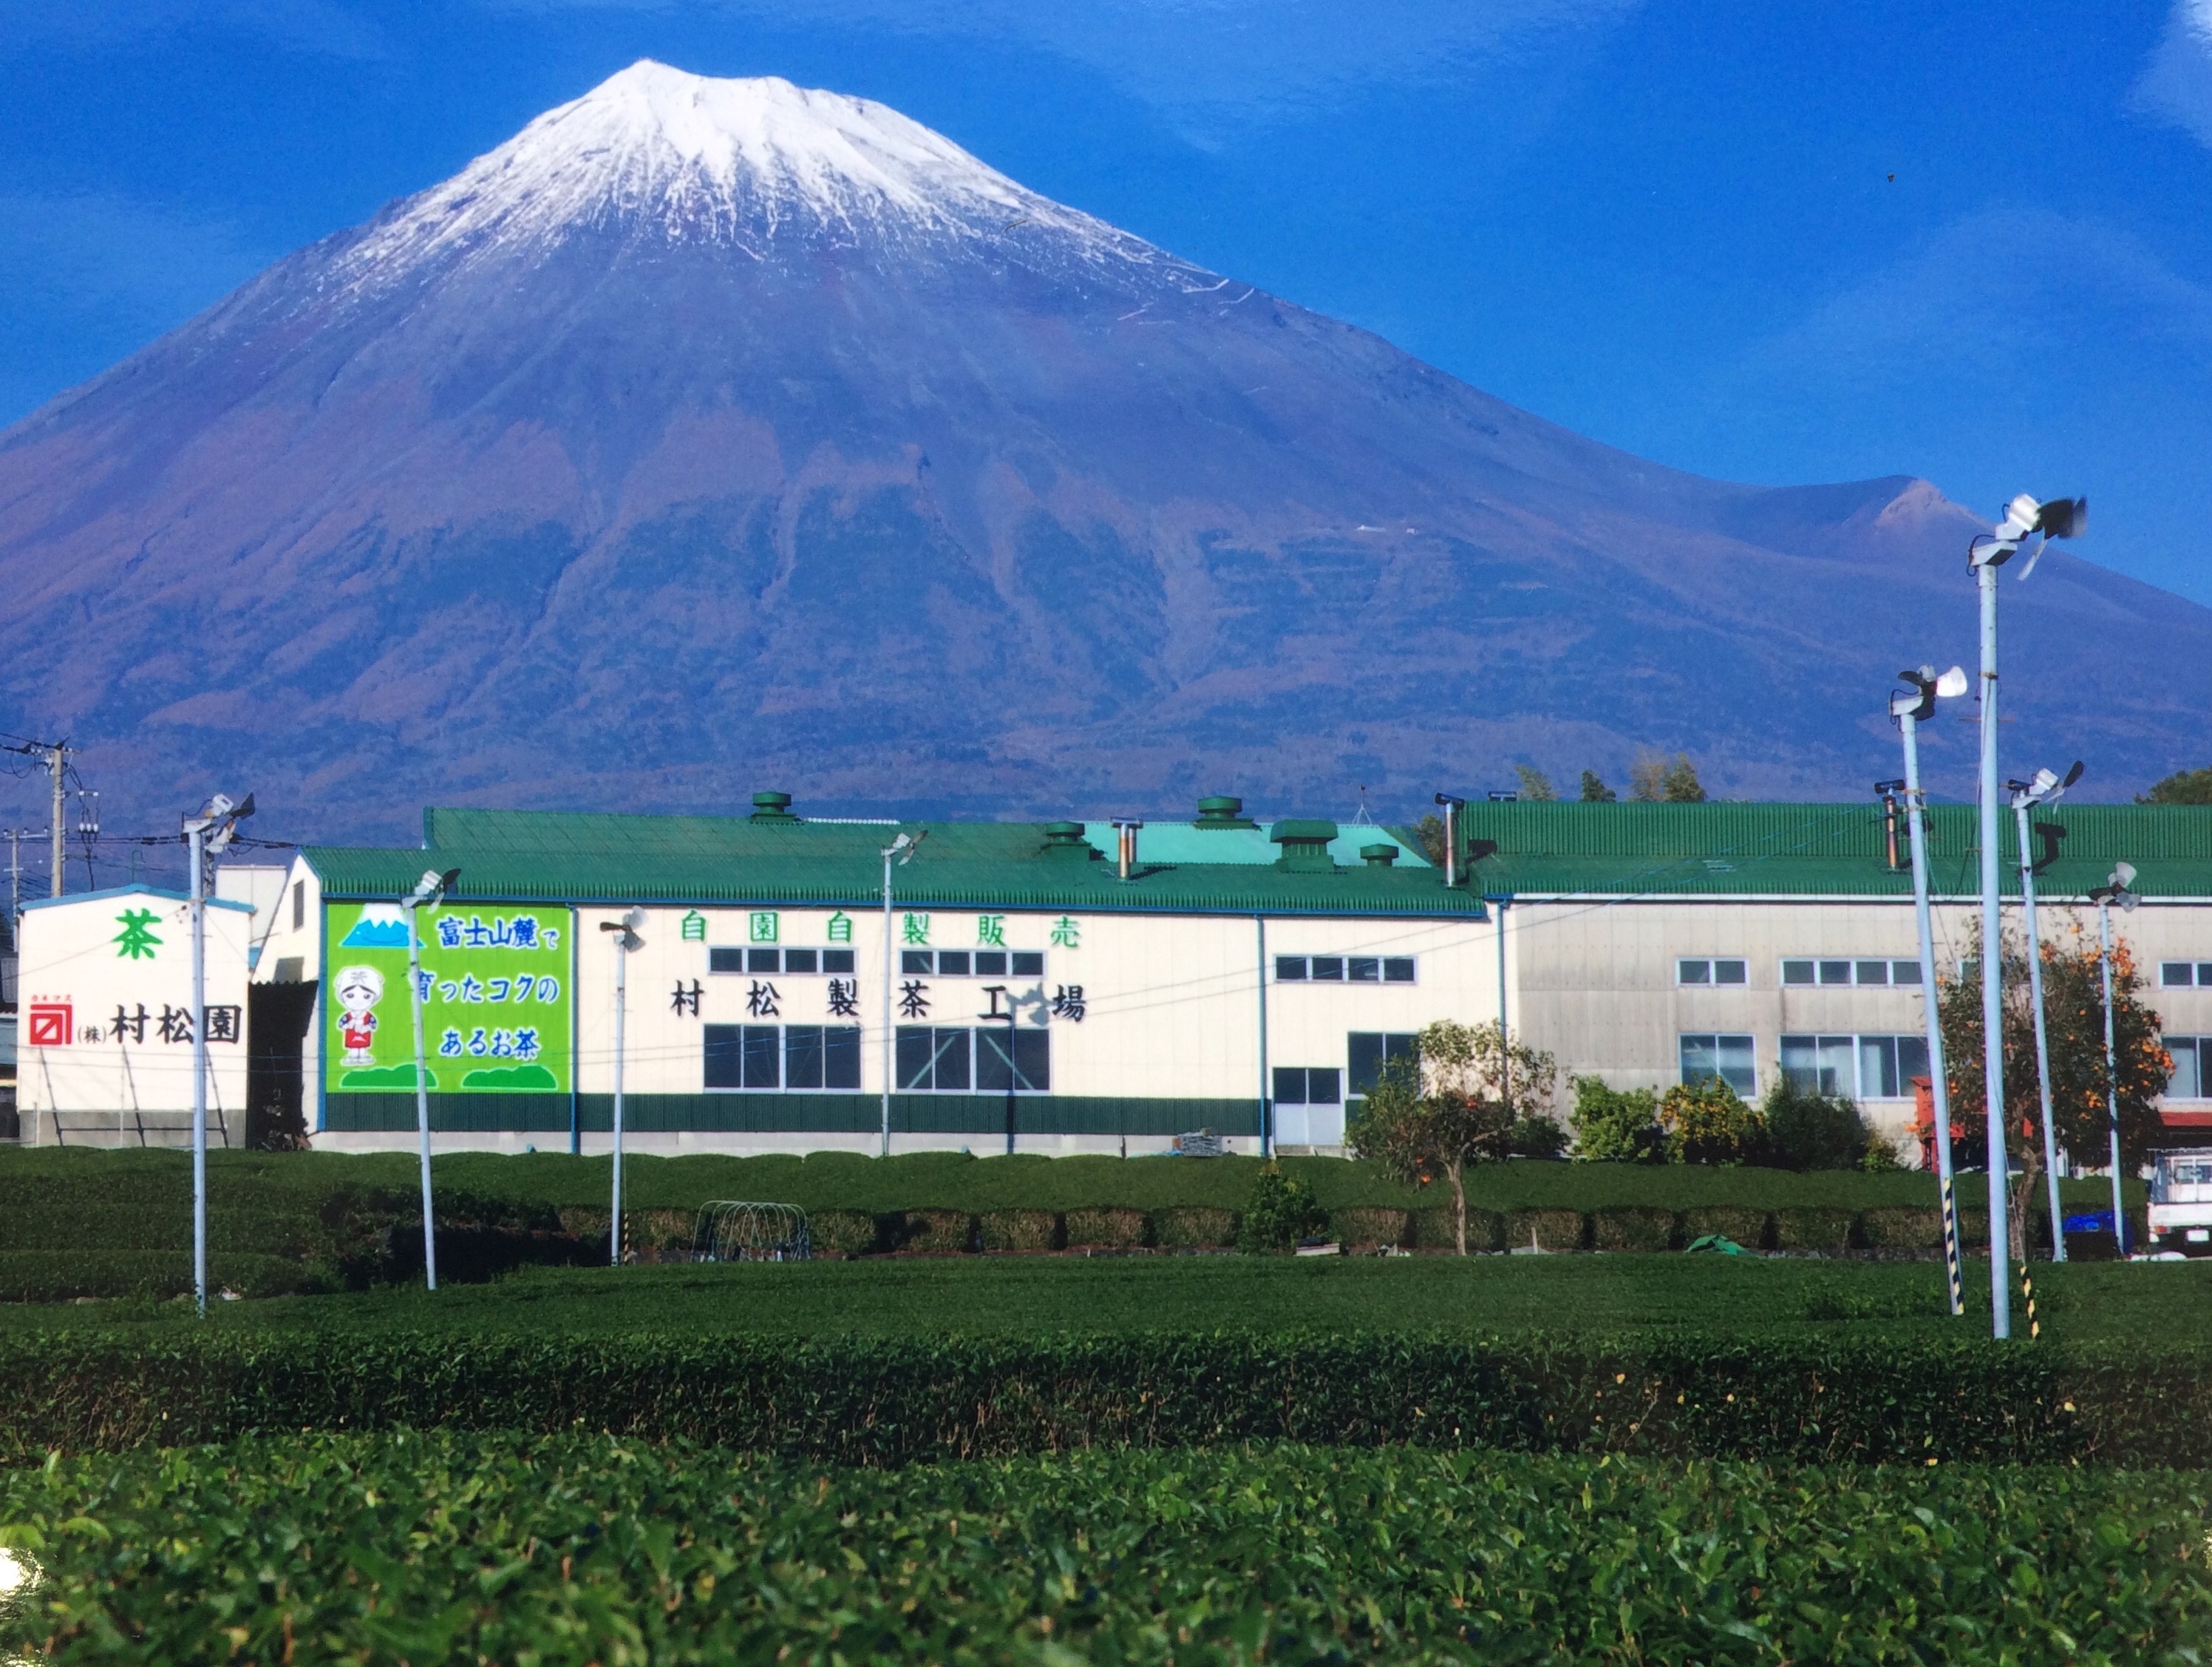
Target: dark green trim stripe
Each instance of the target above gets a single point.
(978, 1116)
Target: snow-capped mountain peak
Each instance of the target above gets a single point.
(757, 162)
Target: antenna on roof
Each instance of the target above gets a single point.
(1360, 819)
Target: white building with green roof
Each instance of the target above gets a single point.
(1026, 987)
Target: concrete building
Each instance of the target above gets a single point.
(105, 1041)
(1650, 944)
(1025, 987)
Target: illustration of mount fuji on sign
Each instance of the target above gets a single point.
(712, 435)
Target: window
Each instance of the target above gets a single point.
(933, 1060)
(2181, 974)
(2192, 1067)
(1862, 972)
(1367, 1052)
(299, 905)
(731, 959)
(719, 959)
(917, 961)
(1710, 972)
(1309, 1085)
(956, 963)
(821, 1056)
(764, 961)
(1340, 969)
(1029, 963)
(990, 963)
(1856, 1067)
(952, 963)
(1031, 1068)
(801, 960)
(1728, 1058)
(743, 1056)
(773, 1056)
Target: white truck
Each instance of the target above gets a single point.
(2181, 1202)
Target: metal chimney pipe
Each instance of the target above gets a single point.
(1125, 829)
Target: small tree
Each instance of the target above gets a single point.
(1455, 1103)
(2074, 1016)
(1647, 777)
(1809, 1130)
(1534, 783)
(1430, 831)
(1595, 792)
(1707, 1122)
(1281, 1210)
(1616, 1125)
(2182, 787)
(1680, 785)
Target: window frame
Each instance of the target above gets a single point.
(1721, 1068)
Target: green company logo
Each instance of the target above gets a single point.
(136, 942)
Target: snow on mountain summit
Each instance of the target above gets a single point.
(755, 163)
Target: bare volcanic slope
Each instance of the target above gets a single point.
(716, 434)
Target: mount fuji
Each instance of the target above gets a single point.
(715, 435)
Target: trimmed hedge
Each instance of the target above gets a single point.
(1431, 1229)
(1815, 1398)
(843, 1232)
(1365, 1225)
(1902, 1229)
(1633, 1227)
(1106, 1229)
(1813, 1228)
(1546, 1229)
(1019, 1230)
(938, 1230)
(152, 1276)
(1194, 1227)
(1752, 1228)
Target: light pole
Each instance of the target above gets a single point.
(1909, 709)
(2060, 517)
(902, 848)
(429, 892)
(205, 836)
(625, 941)
(2114, 890)
(2045, 789)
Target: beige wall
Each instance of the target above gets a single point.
(1594, 982)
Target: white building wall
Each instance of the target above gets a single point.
(106, 995)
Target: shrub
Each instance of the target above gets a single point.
(1752, 1228)
(1902, 1228)
(1365, 1224)
(1431, 1229)
(1547, 1229)
(1707, 1122)
(1538, 1136)
(1808, 1130)
(1193, 1226)
(1613, 1125)
(1632, 1227)
(938, 1230)
(659, 1234)
(842, 1233)
(1811, 1227)
(32, 1275)
(1107, 1227)
(1020, 1230)
(1281, 1210)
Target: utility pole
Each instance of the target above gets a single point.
(57, 759)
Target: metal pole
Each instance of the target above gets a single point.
(1939, 1088)
(1266, 1085)
(2111, 1075)
(621, 1002)
(887, 1004)
(197, 842)
(1985, 579)
(421, 1090)
(2042, 1038)
(1010, 1074)
(57, 755)
(1505, 1053)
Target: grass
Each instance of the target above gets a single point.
(405, 1548)
(2142, 1304)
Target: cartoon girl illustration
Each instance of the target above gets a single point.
(359, 989)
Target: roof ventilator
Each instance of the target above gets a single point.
(1305, 846)
(771, 808)
(1378, 856)
(1223, 811)
(1066, 839)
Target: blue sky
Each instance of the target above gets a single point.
(1773, 242)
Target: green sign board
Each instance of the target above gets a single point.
(497, 1006)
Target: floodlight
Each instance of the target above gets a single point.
(431, 887)
(1952, 683)
(1450, 801)
(2123, 874)
(904, 846)
(2047, 788)
(1927, 687)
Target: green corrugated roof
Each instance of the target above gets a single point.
(1546, 848)
(555, 856)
